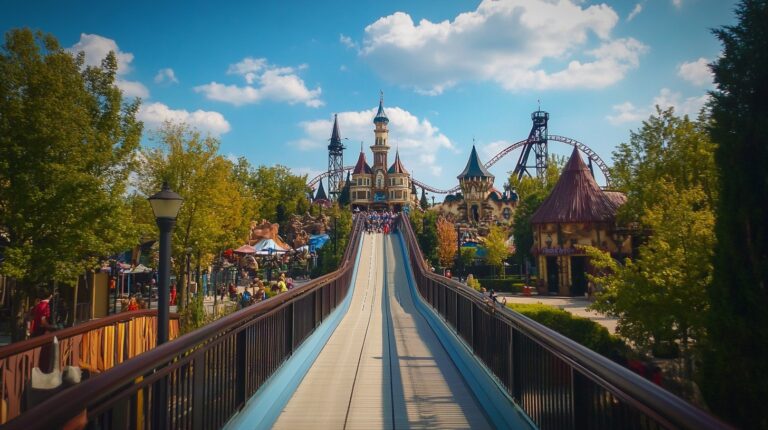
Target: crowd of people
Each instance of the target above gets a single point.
(379, 222)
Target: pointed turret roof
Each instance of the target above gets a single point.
(577, 198)
(397, 166)
(381, 116)
(335, 135)
(362, 166)
(321, 192)
(475, 168)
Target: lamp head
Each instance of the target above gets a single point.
(165, 203)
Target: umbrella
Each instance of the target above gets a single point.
(267, 246)
(245, 249)
(317, 241)
(140, 269)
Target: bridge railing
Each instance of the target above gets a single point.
(558, 383)
(96, 346)
(201, 379)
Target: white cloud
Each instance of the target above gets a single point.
(264, 82)
(347, 41)
(155, 114)
(166, 75)
(696, 72)
(420, 143)
(309, 171)
(507, 42)
(635, 11)
(627, 112)
(678, 3)
(96, 48)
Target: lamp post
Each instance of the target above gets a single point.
(165, 205)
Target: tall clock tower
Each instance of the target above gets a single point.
(380, 150)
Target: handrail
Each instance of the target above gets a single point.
(202, 378)
(580, 386)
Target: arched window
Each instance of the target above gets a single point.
(379, 180)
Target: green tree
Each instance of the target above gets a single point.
(735, 371)
(217, 207)
(496, 247)
(340, 228)
(423, 203)
(67, 141)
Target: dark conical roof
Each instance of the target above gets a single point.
(321, 192)
(577, 198)
(475, 168)
(397, 166)
(381, 116)
(362, 165)
(335, 135)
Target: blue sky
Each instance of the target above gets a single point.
(267, 77)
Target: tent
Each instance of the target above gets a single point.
(139, 269)
(268, 246)
(317, 241)
(245, 249)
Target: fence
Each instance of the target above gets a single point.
(200, 380)
(557, 382)
(96, 346)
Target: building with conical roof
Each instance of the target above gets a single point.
(576, 213)
(381, 186)
(479, 201)
(321, 198)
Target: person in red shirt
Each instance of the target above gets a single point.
(173, 295)
(41, 315)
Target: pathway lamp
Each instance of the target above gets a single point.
(165, 205)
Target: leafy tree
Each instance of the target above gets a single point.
(496, 247)
(467, 257)
(340, 228)
(667, 171)
(735, 376)
(447, 241)
(423, 203)
(217, 207)
(67, 141)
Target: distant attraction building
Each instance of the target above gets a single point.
(576, 213)
(380, 187)
(479, 201)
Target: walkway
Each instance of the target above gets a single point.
(383, 367)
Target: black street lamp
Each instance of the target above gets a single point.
(165, 205)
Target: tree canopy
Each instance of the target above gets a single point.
(447, 241)
(67, 141)
(735, 370)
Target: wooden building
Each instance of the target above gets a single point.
(576, 213)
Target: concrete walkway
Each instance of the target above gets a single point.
(575, 305)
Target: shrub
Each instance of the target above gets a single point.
(581, 330)
(505, 285)
(474, 283)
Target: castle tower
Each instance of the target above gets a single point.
(360, 189)
(475, 182)
(398, 185)
(380, 147)
(335, 161)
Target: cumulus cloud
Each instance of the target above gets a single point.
(166, 75)
(678, 3)
(627, 112)
(263, 82)
(489, 150)
(696, 72)
(420, 143)
(519, 44)
(155, 114)
(635, 11)
(95, 48)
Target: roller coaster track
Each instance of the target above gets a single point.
(591, 155)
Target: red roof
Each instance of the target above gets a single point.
(362, 166)
(577, 198)
(397, 166)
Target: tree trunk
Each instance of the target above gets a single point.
(19, 304)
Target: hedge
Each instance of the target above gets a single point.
(581, 330)
(504, 285)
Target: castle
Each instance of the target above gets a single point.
(379, 187)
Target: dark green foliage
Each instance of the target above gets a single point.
(581, 330)
(423, 201)
(508, 285)
(735, 369)
(521, 227)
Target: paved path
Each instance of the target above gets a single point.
(383, 367)
(575, 305)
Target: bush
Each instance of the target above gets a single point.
(581, 330)
(474, 283)
(504, 285)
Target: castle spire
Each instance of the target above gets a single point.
(381, 116)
